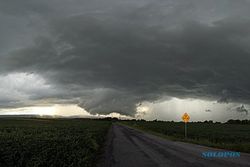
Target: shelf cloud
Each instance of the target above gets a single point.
(111, 56)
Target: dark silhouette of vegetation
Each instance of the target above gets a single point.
(242, 122)
(112, 119)
(51, 142)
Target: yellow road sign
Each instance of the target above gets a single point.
(185, 117)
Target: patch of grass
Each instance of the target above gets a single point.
(51, 142)
(227, 136)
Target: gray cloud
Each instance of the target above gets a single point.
(112, 57)
(242, 109)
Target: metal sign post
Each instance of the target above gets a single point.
(185, 130)
(185, 118)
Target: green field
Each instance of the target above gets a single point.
(78, 142)
(51, 142)
(221, 135)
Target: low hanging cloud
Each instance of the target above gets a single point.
(242, 109)
(110, 58)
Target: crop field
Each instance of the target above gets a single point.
(51, 142)
(221, 135)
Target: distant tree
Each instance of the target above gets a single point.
(142, 120)
(231, 121)
(113, 119)
(210, 121)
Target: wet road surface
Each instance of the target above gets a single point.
(127, 147)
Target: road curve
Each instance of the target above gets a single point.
(127, 147)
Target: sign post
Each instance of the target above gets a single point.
(185, 130)
(185, 118)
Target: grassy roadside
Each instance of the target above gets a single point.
(238, 146)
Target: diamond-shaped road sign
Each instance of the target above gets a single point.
(185, 117)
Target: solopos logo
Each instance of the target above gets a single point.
(220, 154)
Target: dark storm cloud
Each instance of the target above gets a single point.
(15, 7)
(112, 57)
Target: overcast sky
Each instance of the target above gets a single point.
(146, 58)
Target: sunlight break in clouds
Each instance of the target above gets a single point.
(55, 110)
(199, 110)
